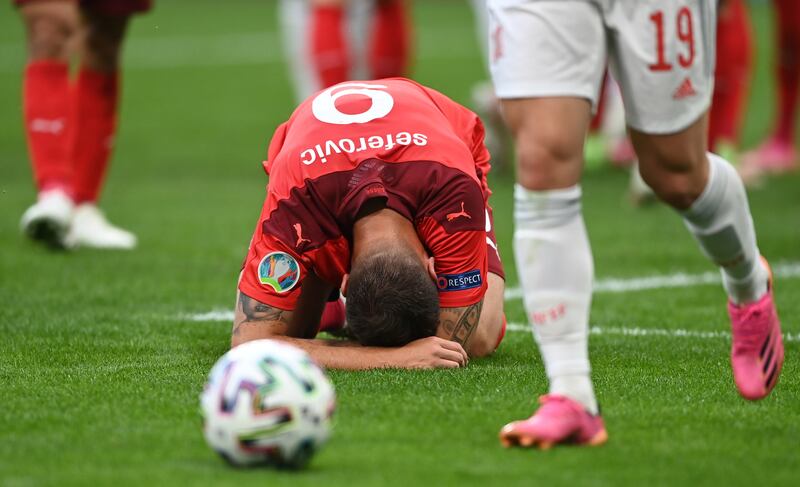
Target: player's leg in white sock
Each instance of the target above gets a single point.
(720, 221)
(548, 111)
(555, 268)
(711, 197)
(554, 262)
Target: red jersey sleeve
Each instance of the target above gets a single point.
(272, 272)
(460, 260)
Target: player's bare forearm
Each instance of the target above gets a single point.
(459, 324)
(255, 320)
(346, 354)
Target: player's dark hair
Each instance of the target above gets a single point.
(391, 299)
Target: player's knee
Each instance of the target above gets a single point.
(102, 48)
(547, 162)
(102, 58)
(677, 188)
(49, 37)
(677, 177)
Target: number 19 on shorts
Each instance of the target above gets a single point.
(684, 31)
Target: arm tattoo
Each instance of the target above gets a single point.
(459, 323)
(256, 311)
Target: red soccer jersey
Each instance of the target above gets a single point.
(392, 139)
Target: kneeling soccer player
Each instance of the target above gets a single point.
(377, 188)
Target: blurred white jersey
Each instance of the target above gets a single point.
(660, 52)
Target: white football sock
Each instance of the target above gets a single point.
(720, 221)
(555, 268)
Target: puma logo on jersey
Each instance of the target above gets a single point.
(685, 90)
(459, 214)
(298, 228)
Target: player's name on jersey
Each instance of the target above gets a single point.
(322, 151)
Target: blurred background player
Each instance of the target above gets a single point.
(484, 101)
(330, 41)
(731, 78)
(70, 122)
(548, 62)
(779, 153)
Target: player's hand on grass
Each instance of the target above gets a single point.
(432, 353)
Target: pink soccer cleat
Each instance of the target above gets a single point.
(558, 420)
(757, 349)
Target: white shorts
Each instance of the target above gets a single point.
(661, 52)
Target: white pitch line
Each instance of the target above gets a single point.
(227, 316)
(656, 332)
(214, 315)
(781, 270)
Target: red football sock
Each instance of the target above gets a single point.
(329, 49)
(732, 74)
(94, 119)
(788, 20)
(389, 44)
(333, 316)
(46, 106)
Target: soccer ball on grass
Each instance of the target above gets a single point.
(267, 403)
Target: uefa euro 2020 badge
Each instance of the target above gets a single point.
(279, 271)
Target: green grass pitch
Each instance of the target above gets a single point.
(100, 369)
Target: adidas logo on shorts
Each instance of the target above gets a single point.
(685, 90)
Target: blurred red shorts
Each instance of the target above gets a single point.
(106, 7)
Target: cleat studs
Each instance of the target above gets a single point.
(527, 441)
(508, 438)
